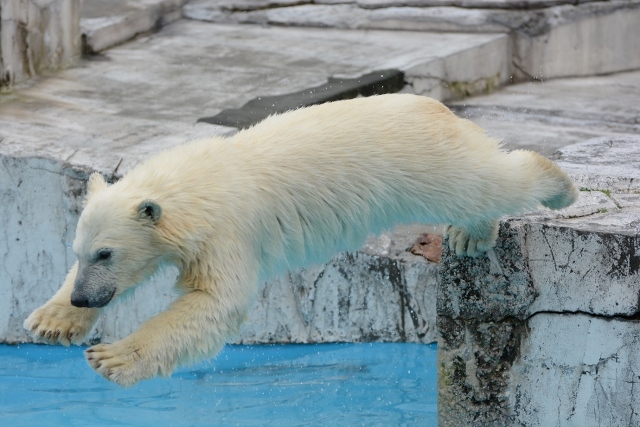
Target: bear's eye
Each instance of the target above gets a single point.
(104, 255)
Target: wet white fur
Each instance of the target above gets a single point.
(286, 193)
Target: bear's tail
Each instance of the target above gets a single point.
(550, 185)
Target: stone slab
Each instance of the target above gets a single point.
(352, 16)
(547, 116)
(248, 5)
(472, 4)
(583, 40)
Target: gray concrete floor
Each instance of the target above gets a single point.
(115, 108)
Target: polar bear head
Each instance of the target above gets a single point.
(116, 243)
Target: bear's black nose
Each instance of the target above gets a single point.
(79, 300)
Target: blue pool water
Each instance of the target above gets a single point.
(267, 385)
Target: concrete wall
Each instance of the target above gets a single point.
(37, 37)
(578, 40)
(549, 336)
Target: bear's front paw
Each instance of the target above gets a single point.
(474, 241)
(60, 324)
(124, 362)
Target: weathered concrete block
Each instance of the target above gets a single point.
(37, 37)
(546, 336)
(443, 71)
(578, 40)
(35, 247)
(497, 328)
(354, 298)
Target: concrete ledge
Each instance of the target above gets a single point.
(383, 293)
(108, 23)
(546, 117)
(557, 313)
(368, 296)
(605, 164)
(565, 307)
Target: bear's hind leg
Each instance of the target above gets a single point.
(550, 185)
(472, 240)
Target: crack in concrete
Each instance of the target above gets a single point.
(115, 171)
(71, 155)
(254, 8)
(553, 257)
(616, 316)
(4, 163)
(631, 401)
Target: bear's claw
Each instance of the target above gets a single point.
(121, 362)
(472, 241)
(59, 324)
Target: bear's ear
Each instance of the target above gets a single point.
(149, 210)
(95, 185)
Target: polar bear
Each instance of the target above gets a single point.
(288, 192)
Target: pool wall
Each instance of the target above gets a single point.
(382, 293)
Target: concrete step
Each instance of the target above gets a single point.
(550, 38)
(106, 24)
(559, 313)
